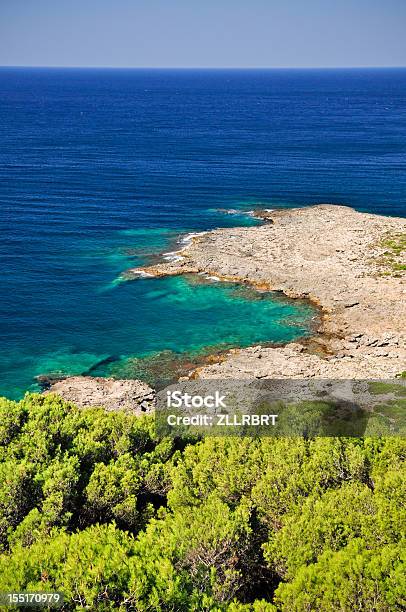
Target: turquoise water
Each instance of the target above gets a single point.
(144, 317)
(101, 170)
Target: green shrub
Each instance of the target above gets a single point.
(66, 467)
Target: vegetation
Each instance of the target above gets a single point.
(392, 258)
(92, 504)
(395, 243)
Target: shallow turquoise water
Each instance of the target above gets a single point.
(146, 316)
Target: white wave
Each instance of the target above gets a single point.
(189, 237)
(142, 273)
(174, 256)
(245, 213)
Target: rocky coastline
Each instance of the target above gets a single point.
(350, 264)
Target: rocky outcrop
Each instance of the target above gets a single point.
(293, 361)
(132, 396)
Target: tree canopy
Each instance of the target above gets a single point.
(94, 505)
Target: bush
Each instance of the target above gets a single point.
(69, 468)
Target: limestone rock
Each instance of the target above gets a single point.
(130, 395)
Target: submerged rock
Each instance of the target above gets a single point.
(45, 381)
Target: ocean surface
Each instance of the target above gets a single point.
(102, 170)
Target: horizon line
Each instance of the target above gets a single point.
(393, 67)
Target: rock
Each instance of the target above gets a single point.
(130, 395)
(45, 381)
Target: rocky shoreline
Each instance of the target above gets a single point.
(351, 264)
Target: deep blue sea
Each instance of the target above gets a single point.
(100, 169)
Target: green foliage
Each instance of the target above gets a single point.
(392, 258)
(66, 467)
(380, 388)
(200, 548)
(94, 505)
(16, 487)
(173, 565)
(396, 243)
(322, 522)
(353, 578)
(89, 567)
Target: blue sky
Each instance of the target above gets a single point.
(203, 33)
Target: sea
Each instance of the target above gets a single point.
(103, 170)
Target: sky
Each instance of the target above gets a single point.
(203, 33)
